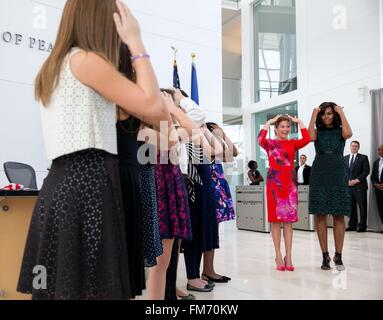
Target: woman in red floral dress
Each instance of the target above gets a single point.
(281, 186)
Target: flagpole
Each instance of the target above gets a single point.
(175, 50)
(176, 77)
(194, 81)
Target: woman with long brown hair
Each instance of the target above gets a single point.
(77, 231)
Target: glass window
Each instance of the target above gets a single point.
(275, 48)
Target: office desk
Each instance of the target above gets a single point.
(16, 209)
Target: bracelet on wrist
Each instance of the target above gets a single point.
(140, 56)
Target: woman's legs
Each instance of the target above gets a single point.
(171, 274)
(321, 224)
(208, 265)
(193, 257)
(157, 275)
(339, 232)
(276, 235)
(180, 292)
(288, 237)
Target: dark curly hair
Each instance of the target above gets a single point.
(337, 121)
(252, 164)
(211, 126)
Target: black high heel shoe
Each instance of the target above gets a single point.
(338, 262)
(326, 261)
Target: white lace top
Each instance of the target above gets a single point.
(77, 117)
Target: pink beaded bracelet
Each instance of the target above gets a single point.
(140, 56)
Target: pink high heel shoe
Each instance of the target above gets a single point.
(280, 268)
(289, 268)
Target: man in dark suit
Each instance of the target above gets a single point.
(377, 181)
(303, 171)
(358, 169)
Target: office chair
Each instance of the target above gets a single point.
(21, 173)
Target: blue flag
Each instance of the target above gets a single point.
(194, 84)
(176, 77)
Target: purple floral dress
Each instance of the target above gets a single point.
(172, 202)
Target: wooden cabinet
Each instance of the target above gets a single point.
(15, 217)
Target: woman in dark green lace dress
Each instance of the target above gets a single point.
(329, 191)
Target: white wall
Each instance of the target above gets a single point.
(332, 64)
(381, 41)
(189, 25)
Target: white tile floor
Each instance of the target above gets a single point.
(248, 258)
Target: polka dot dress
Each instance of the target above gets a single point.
(77, 231)
(152, 240)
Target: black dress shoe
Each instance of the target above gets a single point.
(351, 229)
(362, 230)
(219, 280)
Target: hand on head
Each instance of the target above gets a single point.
(169, 102)
(127, 26)
(272, 121)
(338, 109)
(178, 96)
(316, 111)
(293, 119)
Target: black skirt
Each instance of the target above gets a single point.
(77, 232)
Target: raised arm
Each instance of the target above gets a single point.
(263, 142)
(188, 127)
(141, 99)
(346, 128)
(312, 130)
(215, 145)
(230, 151)
(305, 140)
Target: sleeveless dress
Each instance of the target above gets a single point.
(127, 132)
(281, 185)
(329, 190)
(223, 200)
(152, 239)
(172, 201)
(77, 231)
